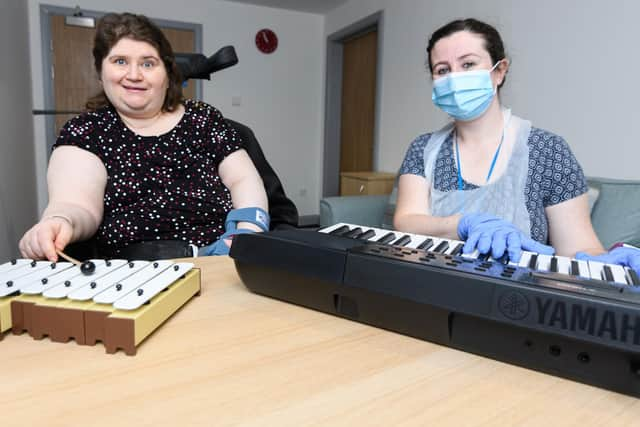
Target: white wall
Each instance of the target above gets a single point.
(574, 72)
(567, 56)
(281, 93)
(17, 181)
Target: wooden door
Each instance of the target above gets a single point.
(73, 72)
(74, 76)
(358, 103)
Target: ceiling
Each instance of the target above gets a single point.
(311, 6)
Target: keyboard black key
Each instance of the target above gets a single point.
(533, 261)
(389, 237)
(575, 269)
(504, 259)
(403, 241)
(339, 231)
(442, 246)
(457, 250)
(484, 257)
(426, 244)
(634, 280)
(607, 274)
(353, 233)
(553, 266)
(366, 235)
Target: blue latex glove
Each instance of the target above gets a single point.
(628, 257)
(220, 247)
(489, 233)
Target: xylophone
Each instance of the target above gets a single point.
(120, 304)
(573, 319)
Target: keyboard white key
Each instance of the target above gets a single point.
(441, 246)
(455, 245)
(564, 265)
(583, 267)
(525, 259)
(472, 255)
(619, 274)
(595, 270)
(632, 277)
(544, 262)
(425, 243)
(332, 228)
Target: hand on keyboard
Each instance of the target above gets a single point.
(489, 233)
(628, 257)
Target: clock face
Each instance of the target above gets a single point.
(266, 41)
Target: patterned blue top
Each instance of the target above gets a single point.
(554, 174)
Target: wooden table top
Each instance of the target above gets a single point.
(230, 357)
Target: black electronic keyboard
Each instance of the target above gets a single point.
(575, 319)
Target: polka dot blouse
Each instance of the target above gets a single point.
(163, 187)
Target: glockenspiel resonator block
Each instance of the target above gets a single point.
(22, 313)
(120, 328)
(127, 329)
(59, 323)
(5, 315)
(94, 323)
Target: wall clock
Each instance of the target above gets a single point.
(266, 41)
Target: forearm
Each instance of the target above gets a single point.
(249, 193)
(583, 239)
(83, 222)
(240, 176)
(570, 228)
(76, 180)
(446, 227)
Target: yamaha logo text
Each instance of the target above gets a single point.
(587, 319)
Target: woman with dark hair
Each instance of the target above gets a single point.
(143, 164)
(489, 177)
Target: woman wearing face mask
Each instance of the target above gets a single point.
(490, 177)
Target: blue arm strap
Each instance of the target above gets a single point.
(254, 216)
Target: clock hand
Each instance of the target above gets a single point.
(264, 36)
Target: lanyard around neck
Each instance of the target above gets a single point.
(493, 162)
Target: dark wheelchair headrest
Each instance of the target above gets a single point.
(198, 66)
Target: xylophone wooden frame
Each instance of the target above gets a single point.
(88, 322)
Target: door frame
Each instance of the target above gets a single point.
(46, 11)
(333, 98)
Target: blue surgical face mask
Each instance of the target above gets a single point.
(464, 95)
